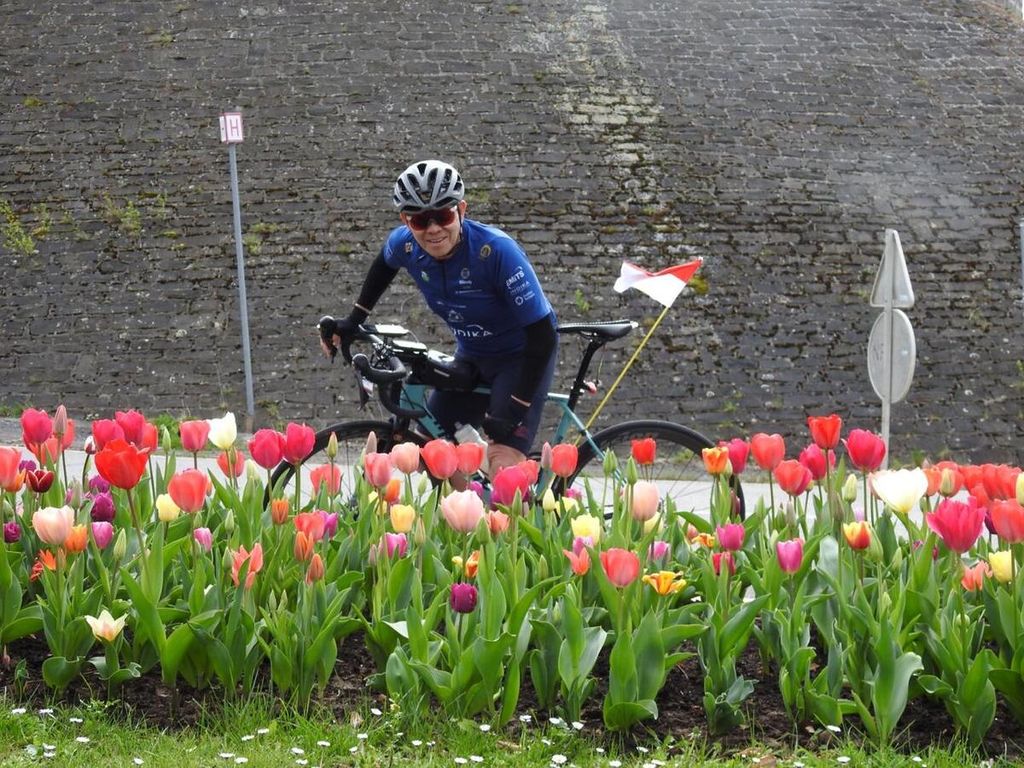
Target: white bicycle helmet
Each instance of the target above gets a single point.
(428, 185)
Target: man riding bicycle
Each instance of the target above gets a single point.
(480, 282)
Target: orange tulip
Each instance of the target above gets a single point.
(10, 458)
(497, 522)
(279, 509)
(580, 563)
(716, 460)
(974, 577)
(825, 430)
(792, 476)
(304, 545)
(239, 558)
(78, 539)
(315, 572)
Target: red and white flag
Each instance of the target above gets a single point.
(661, 286)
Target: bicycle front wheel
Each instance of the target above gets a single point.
(678, 467)
(351, 437)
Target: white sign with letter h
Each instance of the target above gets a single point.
(231, 128)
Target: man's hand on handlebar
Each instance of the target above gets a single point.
(333, 332)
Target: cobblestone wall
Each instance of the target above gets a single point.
(778, 140)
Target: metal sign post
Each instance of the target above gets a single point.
(231, 133)
(892, 349)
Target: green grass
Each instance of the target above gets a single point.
(255, 734)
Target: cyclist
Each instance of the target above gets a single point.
(480, 282)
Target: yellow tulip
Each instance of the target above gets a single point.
(1002, 565)
(166, 510)
(587, 526)
(548, 502)
(402, 517)
(106, 627)
(665, 582)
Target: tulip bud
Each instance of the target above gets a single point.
(545, 457)
(315, 572)
(332, 446)
(548, 502)
(632, 472)
(166, 443)
(611, 463)
(229, 522)
(423, 485)
(60, 421)
(90, 446)
(543, 570)
(850, 488)
(419, 534)
(120, 546)
(279, 509)
(371, 443)
(73, 497)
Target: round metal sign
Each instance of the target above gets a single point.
(892, 371)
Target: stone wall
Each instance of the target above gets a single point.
(776, 140)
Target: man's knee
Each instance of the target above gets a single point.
(501, 456)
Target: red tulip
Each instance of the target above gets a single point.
(329, 474)
(621, 566)
(378, 469)
(792, 477)
(644, 450)
(266, 447)
(469, 457)
(121, 464)
(132, 424)
(36, 427)
(188, 490)
(39, 480)
(723, 559)
(825, 430)
(231, 463)
(531, 469)
(958, 524)
(105, 430)
(298, 442)
(505, 484)
(813, 458)
(194, 434)
(768, 450)
(865, 449)
(1008, 520)
(564, 458)
(440, 458)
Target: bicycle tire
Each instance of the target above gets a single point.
(351, 436)
(678, 468)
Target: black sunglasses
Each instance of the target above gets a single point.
(421, 220)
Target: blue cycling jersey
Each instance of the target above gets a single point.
(486, 291)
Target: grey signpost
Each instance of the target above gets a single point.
(231, 133)
(892, 349)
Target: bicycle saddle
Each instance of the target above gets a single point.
(608, 330)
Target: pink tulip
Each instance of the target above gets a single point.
(132, 424)
(958, 524)
(813, 458)
(12, 532)
(328, 475)
(204, 538)
(194, 434)
(645, 501)
(768, 450)
(395, 544)
(658, 550)
(378, 469)
(298, 442)
(188, 489)
(739, 449)
(104, 431)
(36, 427)
(497, 522)
(463, 597)
(621, 566)
(790, 554)
(53, 524)
(102, 533)
(266, 447)
(507, 482)
(462, 510)
(721, 560)
(731, 536)
(406, 457)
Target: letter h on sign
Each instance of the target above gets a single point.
(231, 128)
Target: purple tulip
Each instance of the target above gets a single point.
(98, 485)
(28, 465)
(659, 550)
(12, 532)
(580, 543)
(102, 508)
(463, 598)
(204, 538)
(102, 533)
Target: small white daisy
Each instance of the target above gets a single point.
(577, 725)
(461, 761)
(555, 721)
(484, 727)
(323, 743)
(559, 759)
(599, 750)
(226, 755)
(546, 742)
(241, 760)
(362, 736)
(417, 743)
(19, 711)
(302, 761)
(615, 763)
(138, 760)
(375, 711)
(82, 739)
(75, 720)
(353, 750)
(46, 711)
(642, 750)
(262, 731)
(525, 718)
(843, 759)
(834, 728)
(298, 751)
(248, 737)
(476, 758)
(49, 748)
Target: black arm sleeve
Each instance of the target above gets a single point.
(540, 343)
(378, 278)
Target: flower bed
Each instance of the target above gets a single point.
(847, 595)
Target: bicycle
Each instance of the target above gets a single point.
(403, 371)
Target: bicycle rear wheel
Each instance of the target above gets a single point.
(351, 436)
(678, 469)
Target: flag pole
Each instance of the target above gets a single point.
(628, 365)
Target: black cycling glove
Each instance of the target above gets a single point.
(506, 424)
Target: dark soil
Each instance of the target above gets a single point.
(148, 701)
